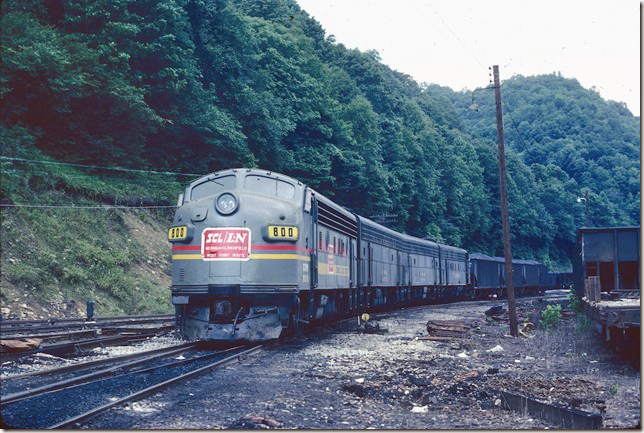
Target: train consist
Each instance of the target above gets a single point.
(255, 252)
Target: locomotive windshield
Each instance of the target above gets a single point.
(213, 186)
(269, 186)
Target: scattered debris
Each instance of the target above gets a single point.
(432, 338)
(447, 328)
(419, 409)
(20, 345)
(355, 388)
(367, 325)
(495, 311)
(255, 422)
(568, 418)
(497, 348)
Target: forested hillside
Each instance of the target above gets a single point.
(200, 85)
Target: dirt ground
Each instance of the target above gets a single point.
(338, 379)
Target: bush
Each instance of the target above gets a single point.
(551, 316)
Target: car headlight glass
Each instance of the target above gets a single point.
(226, 203)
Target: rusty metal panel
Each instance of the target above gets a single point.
(599, 247)
(627, 245)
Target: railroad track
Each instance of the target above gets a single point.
(66, 396)
(75, 335)
(8, 327)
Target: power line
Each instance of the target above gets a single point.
(104, 207)
(77, 176)
(455, 35)
(514, 124)
(100, 167)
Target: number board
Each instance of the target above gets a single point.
(177, 232)
(283, 232)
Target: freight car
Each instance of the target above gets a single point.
(255, 252)
(488, 276)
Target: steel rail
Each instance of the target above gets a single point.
(71, 346)
(95, 363)
(91, 413)
(74, 381)
(78, 325)
(83, 320)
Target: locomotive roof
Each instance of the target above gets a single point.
(246, 170)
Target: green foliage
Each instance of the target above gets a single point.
(574, 303)
(551, 316)
(584, 324)
(202, 85)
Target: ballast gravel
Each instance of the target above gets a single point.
(337, 379)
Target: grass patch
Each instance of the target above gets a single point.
(82, 253)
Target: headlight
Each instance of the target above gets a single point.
(226, 203)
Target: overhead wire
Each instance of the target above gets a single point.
(455, 35)
(96, 167)
(77, 176)
(101, 207)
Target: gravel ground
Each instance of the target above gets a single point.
(337, 379)
(48, 409)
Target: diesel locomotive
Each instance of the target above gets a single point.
(255, 252)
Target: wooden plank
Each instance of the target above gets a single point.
(554, 413)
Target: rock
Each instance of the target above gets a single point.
(20, 345)
(496, 348)
(495, 311)
(360, 380)
(497, 402)
(355, 388)
(462, 355)
(419, 409)
(492, 370)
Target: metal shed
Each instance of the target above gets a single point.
(608, 259)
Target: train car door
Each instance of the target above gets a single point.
(398, 271)
(409, 270)
(352, 275)
(313, 266)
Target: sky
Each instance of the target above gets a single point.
(453, 42)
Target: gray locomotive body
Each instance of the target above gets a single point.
(255, 252)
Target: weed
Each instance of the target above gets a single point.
(584, 324)
(574, 303)
(551, 316)
(79, 254)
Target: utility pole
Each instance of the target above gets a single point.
(509, 282)
(587, 211)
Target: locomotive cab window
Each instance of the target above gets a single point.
(213, 187)
(269, 186)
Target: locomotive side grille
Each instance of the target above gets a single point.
(182, 274)
(335, 220)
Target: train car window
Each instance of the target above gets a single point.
(335, 250)
(414, 261)
(213, 187)
(269, 186)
